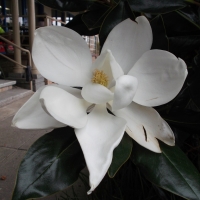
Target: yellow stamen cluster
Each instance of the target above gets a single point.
(100, 77)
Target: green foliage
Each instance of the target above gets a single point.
(120, 155)
(49, 165)
(179, 33)
(156, 6)
(147, 175)
(117, 14)
(94, 17)
(79, 26)
(170, 170)
(67, 5)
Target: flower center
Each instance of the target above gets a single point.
(100, 77)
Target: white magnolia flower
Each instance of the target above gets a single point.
(128, 78)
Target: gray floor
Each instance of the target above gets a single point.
(13, 95)
(13, 146)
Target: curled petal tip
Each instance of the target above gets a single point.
(14, 123)
(89, 192)
(182, 62)
(155, 151)
(172, 142)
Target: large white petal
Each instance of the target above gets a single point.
(74, 91)
(64, 106)
(62, 56)
(160, 77)
(98, 139)
(125, 89)
(96, 93)
(32, 116)
(128, 41)
(144, 125)
(107, 63)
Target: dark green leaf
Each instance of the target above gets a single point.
(171, 170)
(51, 164)
(190, 15)
(181, 101)
(196, 62)
(194, 91)
(95, 16)
(178, 23)
(181, 134)
(67, 5)
(120, 155)
(176, 105)
(194, 86)
(156, 6)
(119, 13)
(193, 106)
(187, 44)
(160, 39)
(174, 31)
(185, 118)
(79, 26)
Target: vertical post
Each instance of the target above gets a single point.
(16, 36)
(31, 25)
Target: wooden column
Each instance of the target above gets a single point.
(31, 24)
(16, 36)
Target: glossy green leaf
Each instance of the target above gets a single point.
(79, 26)
(96, 14)
(51, 164)
(67, 5)
(156, 6)
(118, 13)
(170, 170)
(120, 155)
